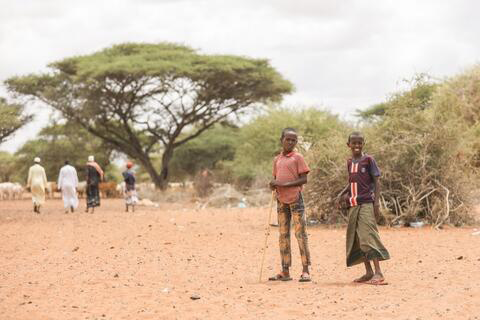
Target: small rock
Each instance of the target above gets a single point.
(75, 249)
(194, 296)
(116, 275)
(460, 258)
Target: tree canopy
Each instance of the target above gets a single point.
(143, 98)
(12, 119)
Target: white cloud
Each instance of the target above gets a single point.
(339, 54)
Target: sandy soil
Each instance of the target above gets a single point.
(147, 265)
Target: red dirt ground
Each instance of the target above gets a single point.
(147, 265)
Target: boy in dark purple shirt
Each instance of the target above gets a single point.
(362, 197)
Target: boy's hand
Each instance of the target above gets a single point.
(273, 184)
(342, 202)
(376, 210)
(338, 203)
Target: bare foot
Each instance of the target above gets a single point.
(378, 277)
(364, 278)
(377, 280)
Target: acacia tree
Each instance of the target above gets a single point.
(12, 118)
(140, 98)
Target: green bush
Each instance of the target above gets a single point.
(259, 141)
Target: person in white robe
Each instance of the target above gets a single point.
(68, 183)
(37, 182)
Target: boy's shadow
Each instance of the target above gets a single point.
(339, 284)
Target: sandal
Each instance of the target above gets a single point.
(305, 277)
(280, 277)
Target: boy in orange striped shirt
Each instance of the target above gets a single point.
(362, 197)
(289, 175)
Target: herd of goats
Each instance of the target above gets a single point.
(110, 189)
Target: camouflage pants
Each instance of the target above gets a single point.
(285, 214)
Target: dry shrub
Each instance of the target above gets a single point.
(427, 171)
(426, 152)
(328, 177)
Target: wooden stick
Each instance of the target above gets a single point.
(266, 236)
(441, 220)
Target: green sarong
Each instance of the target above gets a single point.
(363, 240)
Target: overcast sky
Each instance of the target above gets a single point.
(340, 55)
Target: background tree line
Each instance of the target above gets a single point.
(241, 155)
(176, 112)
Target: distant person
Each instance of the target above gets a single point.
(67, 184)
(362, 196)
(289, 175)
(94, 177)
(130, 193)
(203, 183)
(37, 182)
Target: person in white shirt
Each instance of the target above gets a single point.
(37, 182)
(68, 183)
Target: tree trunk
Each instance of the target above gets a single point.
(160, 180)
(166, 157)
(148, 165)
